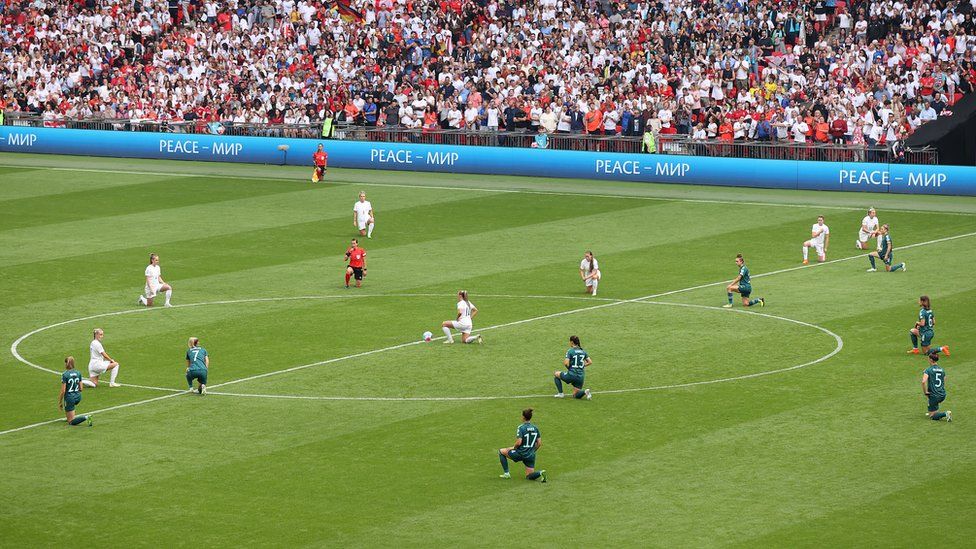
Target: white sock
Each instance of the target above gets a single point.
(805, 251)
(447, 332)
(369, 230)
(169, 294)
(113, 374)
(472, 338)
(88, 383)
(857, 244)
(595, 284)
(142, 299)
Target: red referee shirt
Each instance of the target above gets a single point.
(321, 158)
(356, 256)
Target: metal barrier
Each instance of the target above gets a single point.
(665, 144)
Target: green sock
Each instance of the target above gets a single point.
(753, 302)
(896, 267)
(579, 394)
(914, 340)
(504, 461)
(938, 416)
(559, 384)
(730, 297)
(871, 258)
(935, 349)
(533, 475)
(78, 420)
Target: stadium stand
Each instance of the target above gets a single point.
(827, 71)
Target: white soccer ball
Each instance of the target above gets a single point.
(428, 336)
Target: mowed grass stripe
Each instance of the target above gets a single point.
(134, 198)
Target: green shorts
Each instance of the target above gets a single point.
(934, 402)
(745, 290)
(573, 378)
(70, 401)
(200, 375)
(527, 459)
(926, 337)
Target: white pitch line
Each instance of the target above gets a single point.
(593, 307)
(837, 349)
(490, 190)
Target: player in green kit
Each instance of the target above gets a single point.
(933, 385)
(884, 253)
(576, 360)
(70, 394)
(527, 443)
(925, 330)
(743, 286)
(197, 365)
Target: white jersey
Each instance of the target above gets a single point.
(362, 210)
(96, 352)
(152, 275)
(464, 311)
(585, 266)
(871, 223)
(819, 239)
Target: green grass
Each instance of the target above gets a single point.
(380, 440)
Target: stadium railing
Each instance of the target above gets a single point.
(674, 144)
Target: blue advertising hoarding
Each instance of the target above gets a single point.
(658, 168)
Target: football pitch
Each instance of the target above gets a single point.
(331, 423)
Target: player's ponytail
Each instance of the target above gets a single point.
(925, 302)
(592, 260)
(151, 257)
(193, 341)
(464, 296)
(69, 363)
(575, 341)
(527, 414)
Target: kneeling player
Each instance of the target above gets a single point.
(590, 272)
(576, 360)
(742, 286)
(819, 239)
(933, 386)
(527, 443)
(925, 330)
(355, 263)
(100, 362)
(197, 366)
(321, 160)
(155, 284)
(70, 396)
(363, 217)
(884, 253)
(868, 230)
(466, 311)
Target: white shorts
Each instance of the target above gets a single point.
(97, 367)
(364, 223)
(863, 236)
(589, 281)
(150, 291)
(819, 247)
(463, 327)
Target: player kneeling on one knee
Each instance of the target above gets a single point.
(819, 239)
(576, 360)
(100, 362)
(70, 396)
(197, 365)
(466, 311)
(528, 440)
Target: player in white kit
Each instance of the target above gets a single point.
(869, 228)
(100, 362)
(155, 284)
(362, 216)
(820, 239)
(590, 272)
(465, 312)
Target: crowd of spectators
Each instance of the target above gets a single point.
(804, 71)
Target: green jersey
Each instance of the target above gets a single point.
(197, 357)
(936, 381)
(577, 359)
(529, 434)
(927, 318)
(744, 276)
(885, 245)
(72, 381)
